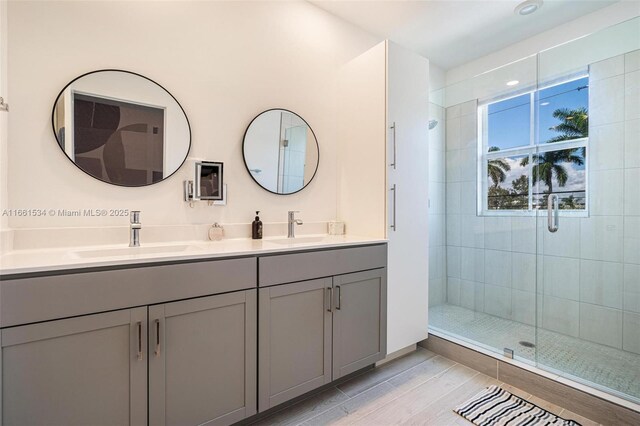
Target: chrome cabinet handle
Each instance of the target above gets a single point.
(339, 298)
(393, 225)
(157, 350)
(552, 213)
(395, 150)
(330, 290)
(139, 326)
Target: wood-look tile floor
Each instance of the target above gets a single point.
(419, 388)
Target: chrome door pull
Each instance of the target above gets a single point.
(139, 325)
(552, 212)
(393, 225)
(157, 351)
(330, 290)
(339, 298)
(395, 150)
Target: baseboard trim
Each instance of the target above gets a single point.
(397, 354)
(539, 383)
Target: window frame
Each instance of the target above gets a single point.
(484, 156)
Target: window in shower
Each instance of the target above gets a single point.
(533, 144)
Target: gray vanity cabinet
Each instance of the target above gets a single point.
(208, 342)
(78, 371)
(315, 331)
(295, 340)
(359, 320)
(202, 360)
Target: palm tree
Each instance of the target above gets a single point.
(574, 125)
(548, 164)
(497, 168)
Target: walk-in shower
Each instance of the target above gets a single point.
(535, 210)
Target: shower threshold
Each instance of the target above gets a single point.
(607, 372)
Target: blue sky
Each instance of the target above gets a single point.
(509, 120)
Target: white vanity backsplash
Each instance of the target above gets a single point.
(42, 238)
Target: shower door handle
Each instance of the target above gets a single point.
(552, 212)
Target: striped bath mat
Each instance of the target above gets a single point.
(496, 406)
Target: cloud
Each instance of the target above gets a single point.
(576, 179)
(516, 171)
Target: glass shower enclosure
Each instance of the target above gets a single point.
(535, 188)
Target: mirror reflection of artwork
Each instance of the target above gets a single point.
(121, 128)
(280, 151)
(117, 141)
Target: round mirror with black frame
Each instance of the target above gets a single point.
(121, 127)
(280, 151)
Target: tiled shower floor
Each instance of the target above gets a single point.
(602, 365)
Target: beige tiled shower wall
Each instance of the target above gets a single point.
(588, 273)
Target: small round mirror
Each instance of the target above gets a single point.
(121, 127)
(280, 151)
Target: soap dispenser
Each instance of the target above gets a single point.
(256, 228)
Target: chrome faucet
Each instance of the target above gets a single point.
(291, 232)
(134, 228)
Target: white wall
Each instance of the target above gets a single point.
(580, 27)
(437, 84)
(4, 221)
(437, 78)
(224, 61)
(362, 124)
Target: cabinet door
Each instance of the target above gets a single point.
(202, 360)
(359, 320)
(78, 371)
(295, 340)
(408, 182)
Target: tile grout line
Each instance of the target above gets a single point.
(452, 390)
(351, 397)
(397, 374)
(312, 395)
(342, 392)
(418, 385)
(381, 383)
(415, 387)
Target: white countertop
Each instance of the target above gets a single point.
(43, 260)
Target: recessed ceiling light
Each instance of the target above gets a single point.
(528, 7)
(512, 82)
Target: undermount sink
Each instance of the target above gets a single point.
(301, 240)
(132, 251)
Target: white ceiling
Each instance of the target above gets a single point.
(452, 32)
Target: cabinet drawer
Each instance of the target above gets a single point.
(288, 268)
(29, 300)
